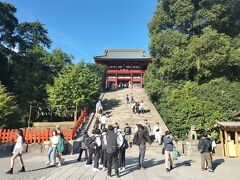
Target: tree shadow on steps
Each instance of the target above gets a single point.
(108, 104)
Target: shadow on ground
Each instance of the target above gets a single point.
(108, 104)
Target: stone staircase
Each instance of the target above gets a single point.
(115, 104)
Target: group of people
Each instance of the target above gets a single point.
(104, 148)
(137, 107)
(56, 148)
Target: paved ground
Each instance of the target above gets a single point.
(225, 169)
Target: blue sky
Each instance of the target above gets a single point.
(84, 28)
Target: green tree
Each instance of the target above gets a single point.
(100, 71)
(75, 85)
(8, 109)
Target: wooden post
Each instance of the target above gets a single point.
(30, 114)
(237, 144)
(226, 143)
(222, 143)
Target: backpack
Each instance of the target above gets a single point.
(60, 146)
(125, 144)
(128, 130)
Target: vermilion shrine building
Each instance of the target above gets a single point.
(126, 67)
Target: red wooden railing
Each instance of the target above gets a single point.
(82, 118)
(41, 135)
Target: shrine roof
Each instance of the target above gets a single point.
(124, 54)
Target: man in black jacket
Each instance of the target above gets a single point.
(112, 151)
(205, 148)
(91, 147)
(83, 146)
(140, 139)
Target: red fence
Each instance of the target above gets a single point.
(41, 135)
(32, 135)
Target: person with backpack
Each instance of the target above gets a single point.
(140, 139)
(91, 147)
(54, 140)
(104, 146)
(112, 151)
(60, 147)
(205, 148)
(83, 146)
(127, 131)
(168, 150)
(97, 149)
(123, 145)
(17, 152)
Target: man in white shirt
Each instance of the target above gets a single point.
(157, 130)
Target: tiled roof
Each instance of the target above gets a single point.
(229, 124)
(123, 54)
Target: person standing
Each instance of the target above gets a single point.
(127, 131)
(168, 147)
(104, 147)
(60, 147)
(17, 152)
(103, 121)
(122, 150)
(127, 99)
(54, 140)
(116, 127)
(83, 146)
(157, 130)
(91, 146)
(205, 148)
(97, 149)
(133, 103)
(99, 107)
(140, 139)
(112, 151)
(141, 107)
(147, 125)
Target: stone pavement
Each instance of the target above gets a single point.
(225, 169)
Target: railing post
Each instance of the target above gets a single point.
(11, 135)
(0, 135)
(7, 137)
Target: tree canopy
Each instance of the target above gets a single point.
(28, 66)
(196, 50)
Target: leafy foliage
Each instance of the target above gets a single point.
(8, 109)
(195, 74)
(75, 85)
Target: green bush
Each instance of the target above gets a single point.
(9, 112)
(200, 105)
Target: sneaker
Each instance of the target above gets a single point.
(210, 170)
(123, 169)
(100, 166)
(95, 169)
(167, 170)
(53, 163)
(59, 164)
(203, 169)
(47, 163)
(119, 169)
